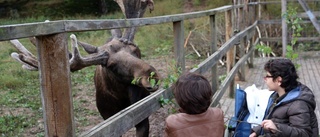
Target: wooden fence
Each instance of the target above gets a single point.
(55, 74)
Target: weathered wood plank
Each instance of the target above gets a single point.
(8, 32)
(55, 85)
(178, 33)
(311, 16)
(214, 48)
(276, 21)
(278, 39)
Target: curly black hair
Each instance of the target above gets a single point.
(286, 70)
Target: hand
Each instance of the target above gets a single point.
(269, 125)
(253, 134)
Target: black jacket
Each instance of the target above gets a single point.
(293, 115)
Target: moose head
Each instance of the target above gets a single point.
(121, 77)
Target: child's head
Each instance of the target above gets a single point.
(285, 69)
(193, 93)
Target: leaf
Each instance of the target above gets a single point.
(153, 82)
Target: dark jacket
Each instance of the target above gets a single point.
(293, 115)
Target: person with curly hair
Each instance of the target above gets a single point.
(193, 93)
(290, 111)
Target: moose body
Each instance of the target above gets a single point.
(113, 82)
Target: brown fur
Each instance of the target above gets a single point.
(114, 90)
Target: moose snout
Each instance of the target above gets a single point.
(152, 89)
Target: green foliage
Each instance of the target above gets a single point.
(164, 101)
(14, 125)
(151, 80)
(173, 75)
(135, 81)
(264, 49)
(295, 28)
(222, 77)
(168, 102)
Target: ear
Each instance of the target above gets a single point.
(279, 80)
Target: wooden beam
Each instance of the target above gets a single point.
(55, 85)
(214, 48)
(178, 32)
(310, 14)
(16, 31)
(284, 27)
(300, 39)
(231, 52)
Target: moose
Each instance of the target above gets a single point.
(118, 64)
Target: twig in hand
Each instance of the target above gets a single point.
(240, 121)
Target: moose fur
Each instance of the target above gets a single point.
(114, 90)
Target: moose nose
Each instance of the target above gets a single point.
(152, 89)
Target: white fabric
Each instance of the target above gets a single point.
(257, 101)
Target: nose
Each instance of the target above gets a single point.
(152, 89)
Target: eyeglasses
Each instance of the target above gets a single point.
(265, 77)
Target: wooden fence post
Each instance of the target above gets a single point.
(284, 27)
(179, 53)
(55, 85)
(242, 47)
(231, 52)
(214, 48)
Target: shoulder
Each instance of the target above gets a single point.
(177, 118)
(299, 106)
(215, 111)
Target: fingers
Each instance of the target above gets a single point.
(253, 134)
(269, 125)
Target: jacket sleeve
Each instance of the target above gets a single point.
(257, 130)
(299, 121)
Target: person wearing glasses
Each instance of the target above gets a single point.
(193, 93)
(291, 107)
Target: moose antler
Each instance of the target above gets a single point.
(77, 62)
(28, 60)
(132, 9)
